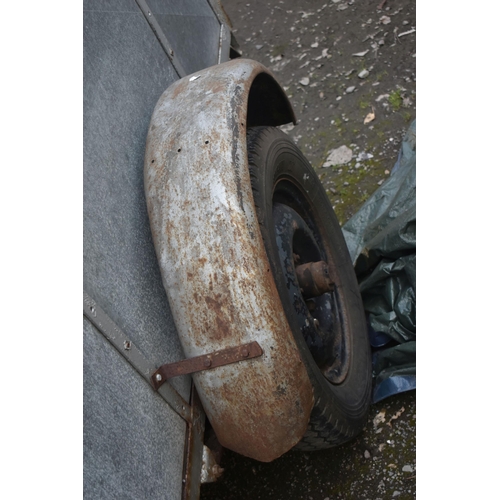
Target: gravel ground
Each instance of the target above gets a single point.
(318, 50)
(340, 63)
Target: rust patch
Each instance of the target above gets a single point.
(179, 87)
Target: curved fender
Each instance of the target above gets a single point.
(212, 258)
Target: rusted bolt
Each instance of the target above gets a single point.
(127, 345)
(245, 352)
(207, 362)
(158, 377)
(314, 278)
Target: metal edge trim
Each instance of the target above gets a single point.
(153, 23)
(133, 355)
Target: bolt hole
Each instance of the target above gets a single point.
(179, 150)
(206, 142)
(152, 161)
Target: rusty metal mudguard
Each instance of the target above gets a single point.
(212, 258)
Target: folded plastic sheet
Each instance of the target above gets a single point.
(381, 238)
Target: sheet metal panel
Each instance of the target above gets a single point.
(125, 72)
(192, 29)
(133, 441)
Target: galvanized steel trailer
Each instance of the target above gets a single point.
(207, 235)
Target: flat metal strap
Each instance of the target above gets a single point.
(205, 362)
(155, 27)
(133, 355)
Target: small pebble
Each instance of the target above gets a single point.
(380, 183)
(258, 47)
(346, 183)
(396, 493)
(407, 468)
(363, 74)
(349, 90)
(304, 81)
(367, 454)
(387, 172)
(339, 156)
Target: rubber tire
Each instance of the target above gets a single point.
(340, 411)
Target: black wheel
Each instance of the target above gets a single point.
(317, 285)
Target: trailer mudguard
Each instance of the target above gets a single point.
(212, 258)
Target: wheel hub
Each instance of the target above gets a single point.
(312, 292)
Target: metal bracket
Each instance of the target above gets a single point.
(206, 362)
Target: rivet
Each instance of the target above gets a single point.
(127, 345)
(245, 352)
(207, 362)
(158, 377)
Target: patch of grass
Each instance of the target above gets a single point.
(339, 123)
(364, 104)
(407, 116)
(362, 183)
(395, 99)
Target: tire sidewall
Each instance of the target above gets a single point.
(279, 158)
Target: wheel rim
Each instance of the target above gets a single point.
(301, 239)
